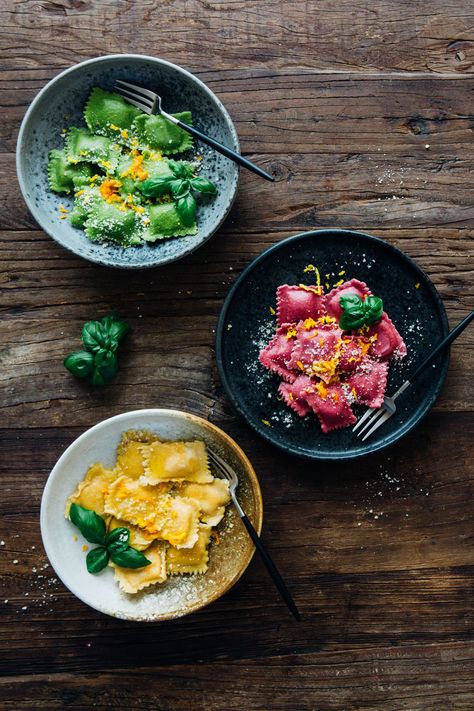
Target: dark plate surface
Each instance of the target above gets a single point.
(246, 325)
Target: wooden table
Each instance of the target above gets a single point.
(363, 112)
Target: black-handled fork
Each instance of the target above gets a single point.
(229, 474)
(150, 103)
(376, 416)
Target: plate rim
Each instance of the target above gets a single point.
(289, 448)
(126, 56)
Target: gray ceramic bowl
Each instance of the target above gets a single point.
(65, 96)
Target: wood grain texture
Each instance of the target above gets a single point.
(363, 112)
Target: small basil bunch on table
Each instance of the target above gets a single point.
(357, 313)
(111, 546)
(97, 362)
(180, 185)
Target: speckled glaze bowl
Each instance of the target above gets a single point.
(179, 595)
(61, 103)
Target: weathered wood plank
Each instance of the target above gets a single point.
(391, 36)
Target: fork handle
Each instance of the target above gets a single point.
(271, 567)
(444, 343)
(228, 152)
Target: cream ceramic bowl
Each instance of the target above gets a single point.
(179, 595)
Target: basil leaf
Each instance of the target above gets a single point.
(90, 524)
(180, 188)
(106, 363)
(154, 187)
(373, 306)
(118, 540)
(351, 322)
(186, 207)
(350, 301)
(79, 363)
(93, 336)
(203, 185)
(181, 170)
(97, 379)
(115, 328)
(129, 558)
(97, 559)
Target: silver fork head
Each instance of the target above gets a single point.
(144, 99)
(375, 417)
(223, 468)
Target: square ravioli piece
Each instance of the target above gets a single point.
(190, 560)
(211, 499)
(132, 580)
(176, 461)
(296, 303)
(92, 490)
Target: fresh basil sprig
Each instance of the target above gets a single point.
(98, 361)
(180, 185)
(113, 545)
(357, 312)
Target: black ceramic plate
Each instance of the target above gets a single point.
(246, 325)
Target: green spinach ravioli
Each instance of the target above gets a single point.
(127, 188)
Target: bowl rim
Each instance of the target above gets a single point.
(288, 448)
(150, 412)
(118, 57)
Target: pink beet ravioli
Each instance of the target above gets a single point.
(324, 369)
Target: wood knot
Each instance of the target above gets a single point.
(461, 54)
(416, 125)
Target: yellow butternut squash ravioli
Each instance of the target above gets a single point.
(176, 461)
(190, 560)
(166, 496)
(131, 580)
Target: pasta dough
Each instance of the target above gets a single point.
(167, 497)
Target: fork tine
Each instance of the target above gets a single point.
(378, 413)
(130, 94)
(143, 107)
(366, 414)
(137, 89)
(222, 466)
(379, 422)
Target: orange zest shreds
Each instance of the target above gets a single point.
(154, 155)
(327, 286)
(321, 341)
(63, 209)
(326, 319)
(199, 158)
(272, 310)
(74, 161)
(134, 142)
(80, 192)
(136, 169)
(300, 365)
(62, 217)
(94, 178)
(314, 289)
(318, 280)
(354, 393)
(74, 538)
(109, 190)
(114, 127)
(342, 272)
(106, 164)
(266, 423)
(290, 396)
(309, 323)
(309, 268)
(321, 389)
(335, 397)
(82, 153)
(124, 133)
(327, 276)
(339, 283)
(85, 548)
(325, 367)
(291, 333)
(417, 285)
